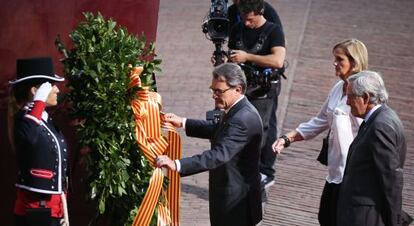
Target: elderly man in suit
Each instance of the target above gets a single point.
(371, 192)
(233, 160)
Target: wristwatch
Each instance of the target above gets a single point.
(287, 141)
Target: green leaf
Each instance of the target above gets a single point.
(101, 206)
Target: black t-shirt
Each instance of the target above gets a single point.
(269, 14)
(249, 37)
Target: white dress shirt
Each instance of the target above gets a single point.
(336, 115)
(371, 111)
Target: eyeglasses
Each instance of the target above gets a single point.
(219, 92)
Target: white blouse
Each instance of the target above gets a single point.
(336, 115)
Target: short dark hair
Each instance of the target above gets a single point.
(248, 6)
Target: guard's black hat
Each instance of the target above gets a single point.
(39, 68)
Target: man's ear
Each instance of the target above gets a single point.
(366, 97)
(239, 89)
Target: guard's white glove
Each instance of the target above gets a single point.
(43, 92)
(63, 222)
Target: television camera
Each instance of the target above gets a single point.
(216, 28)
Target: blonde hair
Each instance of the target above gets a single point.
(357, 53)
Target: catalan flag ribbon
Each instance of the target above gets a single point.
(148, 124)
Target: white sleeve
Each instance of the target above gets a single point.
(315, 125)
(184, 121)
(323, 119)
(177, 165)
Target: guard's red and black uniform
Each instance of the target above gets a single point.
(42, 161)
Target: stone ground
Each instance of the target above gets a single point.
(311, 27)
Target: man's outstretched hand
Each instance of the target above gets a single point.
(174, 120)
(165, 161)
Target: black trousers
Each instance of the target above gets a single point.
(267, 106)
(25, 221)
(328, 204)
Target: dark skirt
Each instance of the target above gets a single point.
(328, 204)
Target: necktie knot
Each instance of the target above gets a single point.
(361, 127)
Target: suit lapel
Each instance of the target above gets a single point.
(235, 108)
(229, 114)
(371, 119)
(362, 130)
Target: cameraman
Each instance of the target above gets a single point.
(259, 44)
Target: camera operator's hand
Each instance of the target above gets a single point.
(174, 120)
(238, 56)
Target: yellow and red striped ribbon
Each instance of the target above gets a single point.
(174, 152)
(174, 187)
(151, 142)
(147, 207)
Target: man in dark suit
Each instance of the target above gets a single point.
(233, 160)
(371, 191)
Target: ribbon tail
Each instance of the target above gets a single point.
(147, 207)
(174, 187)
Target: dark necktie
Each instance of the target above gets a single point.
(361, 127)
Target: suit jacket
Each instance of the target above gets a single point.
(371, 191)
(233, 163)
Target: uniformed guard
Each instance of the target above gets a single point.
(40, 147)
